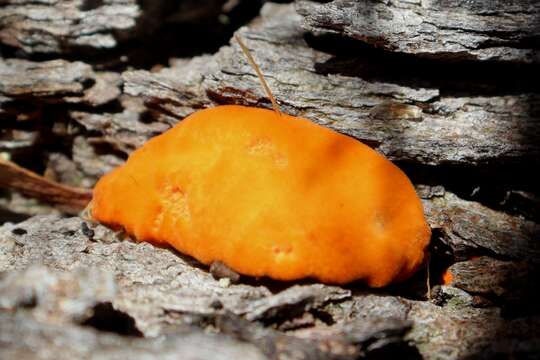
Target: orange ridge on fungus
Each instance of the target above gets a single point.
(269, 195)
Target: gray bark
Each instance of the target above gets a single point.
(504, 282)
(53, 341)
(65, 27)
(471, 229)
(83, 267)
(73, 289)
(414, 123)
(24, 83)
(61, 274)
(457, 29)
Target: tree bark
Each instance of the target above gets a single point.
(446, 89)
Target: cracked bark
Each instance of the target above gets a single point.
(78, 269)
(82, 271)
(424, 124)
(36, 84)
(480, 30)
(75, 26)
(62, 278)
(471, 229)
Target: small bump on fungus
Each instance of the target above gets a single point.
(269, 194)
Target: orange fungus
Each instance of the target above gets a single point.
(269, 195)
(447, 277)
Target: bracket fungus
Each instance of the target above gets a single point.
(269, 194)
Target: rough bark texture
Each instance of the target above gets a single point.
(56, 81)
(418, 121)
(61, 274)
(457, 29)
(470, 229)
(153, 289)
(51, 26)
(53, 341)
(445, 88)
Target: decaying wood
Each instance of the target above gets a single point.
(15, 207)
(75, 342)
(460, 331)
(480, 30)
(124, 131)
(88, 267)
(471, 229)
(13, 177)
(163, 290)
(57, 78)
(512, 284)
(454, 329)
(418, 122)
(53, 26)
(34, 93)
(444, 103)
(27, 86)
(87, 25)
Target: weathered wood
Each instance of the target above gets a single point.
(454, 329)
(52, 26)
(296, 299)
(458, 331)
(52, 82)
(35, 98)
(52, 341)
(511, 284)
(85, 267)
(457, 29)
(124, 131)
(87, 26)
(172, 283)
(15, 207)
(70, 288)
(471, 229)
(417, 122)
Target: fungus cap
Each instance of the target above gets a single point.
(269, 195)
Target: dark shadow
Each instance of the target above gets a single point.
(88, 5)
(512, 188)
(456, 78)
(522, 296)
(8, 215)
(401, 350)
(106, 318)
(167, 30)
(105, 148)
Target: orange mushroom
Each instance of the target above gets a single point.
(269, 194)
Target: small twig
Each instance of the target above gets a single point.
(259, 74)
(14, 177)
